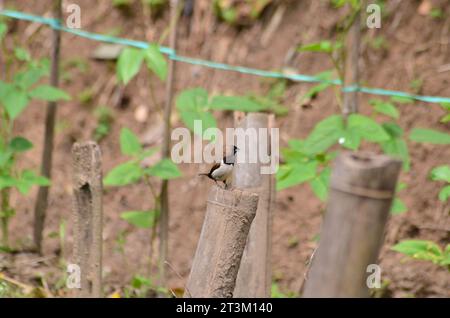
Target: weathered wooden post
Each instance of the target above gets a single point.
(87, 213)
(362, 187)
(225, 229)
(254, 277)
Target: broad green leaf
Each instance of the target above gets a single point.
(156, 61)
(49, 93)
(297, 174)
(35, 71)
(315, 90)
(445, 106)
(350, 140)
(402, 100)
(385, 108)
(441, 173)
(141, 219)
(398, 207)
(129, 64)
(323, 47)
(147, 153)
(195, 99)
(237, 103)
(444, 194)
(430, 136)
(394, 130)
(325, 134)
(397, 147)
(319, 184)
(20, 144)
(21, 54)
(206, 118)
(445, 119)
(129, 143)
(420, 249)
(14, 100)
(3, 30)
(6, 182)
(165, 169)
(127, 173)
(27, 179)
(366, 128)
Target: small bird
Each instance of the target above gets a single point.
(222, 171)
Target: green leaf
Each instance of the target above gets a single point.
(49, 93)
(165, 169)
(420, 249)
(129, 143)
(27, 179)
(20, 144)
(323, 47)
(156, 61)
(366, 128)
(394, 130)
(441, 173)
(315, 90)
(446, 106)
(141, 219)
(6, 182)
(445, 119)
(22, 54)
(195, 99)
(385, 108)
(236, 103)
(295, 175)
(127, 173)
(402, 100)
(35, 71)
(14, 99)
(397, 147)
(3, 30)
(319, 184)
(325, 134)
(430, 136)
(444, 194)
(193, 105)
(129, 64)
(398, 207)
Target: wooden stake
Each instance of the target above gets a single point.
(254, 277)
(47, 156)
(351, 77)
(164, 218)
(362, 188)
(224, 233)
(87, 213)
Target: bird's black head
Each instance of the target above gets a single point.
(235, 149)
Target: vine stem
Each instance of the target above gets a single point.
(164, 196)
(47, 155)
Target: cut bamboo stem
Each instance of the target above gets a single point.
(224, 233)
(164, 216)
(47, 156)
(87, 213)
(362, 187)
(254, 277)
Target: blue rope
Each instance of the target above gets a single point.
(172, 54)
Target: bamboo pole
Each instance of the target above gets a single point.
(254, 277)
(88, 214)
(351, 77)
(47, 155)
(362, 188)
(224, 233)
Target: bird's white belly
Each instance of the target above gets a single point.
(223, 172)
